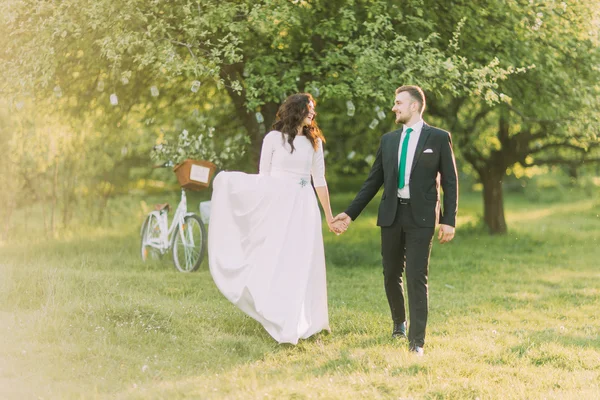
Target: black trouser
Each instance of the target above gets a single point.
(404, 245)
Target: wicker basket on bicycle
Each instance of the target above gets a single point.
(194, 174)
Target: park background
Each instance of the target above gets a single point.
(89, 88)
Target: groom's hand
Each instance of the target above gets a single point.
(342, 220)
(336, 226)
(446, 233)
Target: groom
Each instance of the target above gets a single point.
(410, 164)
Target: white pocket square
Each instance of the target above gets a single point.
(428, 151)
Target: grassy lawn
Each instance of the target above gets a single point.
(511, 317)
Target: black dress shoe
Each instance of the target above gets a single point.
(399, 330)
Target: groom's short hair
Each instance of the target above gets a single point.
(415, 92)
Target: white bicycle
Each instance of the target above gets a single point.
(186, 236)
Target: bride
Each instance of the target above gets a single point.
(265, 241)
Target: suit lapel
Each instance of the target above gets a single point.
(425, 132)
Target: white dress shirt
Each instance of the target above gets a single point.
(410, 154)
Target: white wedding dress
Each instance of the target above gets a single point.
(265, 243)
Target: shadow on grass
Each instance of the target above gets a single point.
(561, 337)
(554, 211)
(97, 245)
(344, 363)
(552, 347)
(352, 255)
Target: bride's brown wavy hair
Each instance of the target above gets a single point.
(290, 116)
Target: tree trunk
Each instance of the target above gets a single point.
(68, 198)
(255, 131)
(54, 202)
(9, 208)
(103, 210)
(573, 173)
(493, 201)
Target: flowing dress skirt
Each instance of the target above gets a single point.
(266, 255)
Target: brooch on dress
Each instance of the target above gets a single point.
(303, 182)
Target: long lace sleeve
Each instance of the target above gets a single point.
(318, 167)
(266, 155)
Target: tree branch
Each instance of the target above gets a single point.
(478, 117)
(474, 157)
(531, 119)
(186, 45)
(560, 145)
(562, 161)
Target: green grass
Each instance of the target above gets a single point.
(511, 317)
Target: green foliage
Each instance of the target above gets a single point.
(548, 115)
(200, 146)
(127, 72)
(550, 108)
(262, 50)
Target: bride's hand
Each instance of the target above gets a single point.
(338, 227)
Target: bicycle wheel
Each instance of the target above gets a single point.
(189, 248)
(150, 234)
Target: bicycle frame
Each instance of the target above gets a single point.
(163, 243)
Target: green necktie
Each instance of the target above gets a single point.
(402, 167)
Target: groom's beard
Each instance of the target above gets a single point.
(401, 120)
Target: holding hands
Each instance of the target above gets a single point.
(339, 224)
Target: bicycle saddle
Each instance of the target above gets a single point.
(161, 207)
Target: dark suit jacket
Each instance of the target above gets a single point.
(428, 169)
